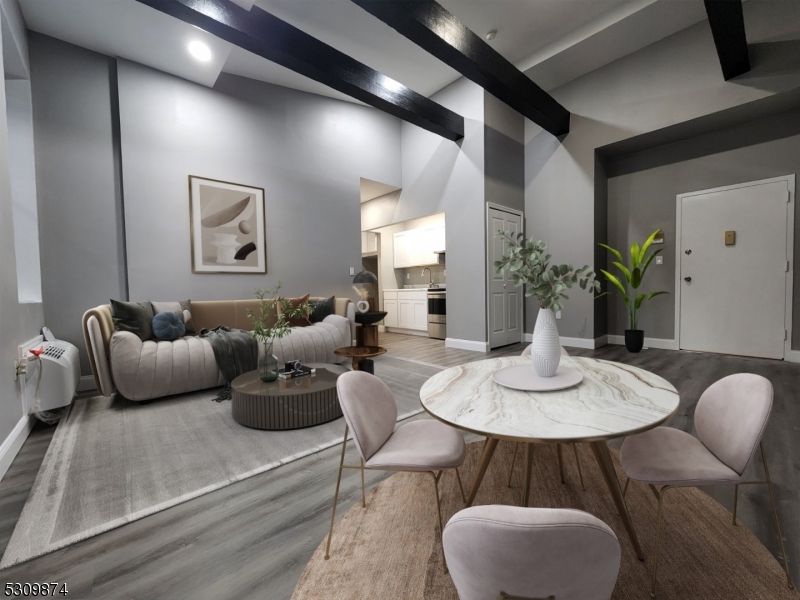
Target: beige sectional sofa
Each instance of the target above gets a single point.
(151, 369)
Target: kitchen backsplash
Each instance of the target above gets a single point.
(414, 275)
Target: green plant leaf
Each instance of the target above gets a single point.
(636, 278)
(624, 270)
(649, 259)
(654, 294)
(614, 251)
(649, 241)
(617, 283)
(635, 255)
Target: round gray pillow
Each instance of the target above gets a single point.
(168, 326)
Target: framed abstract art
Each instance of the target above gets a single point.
(228, 228)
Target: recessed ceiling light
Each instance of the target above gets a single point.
(491, 35)
(200, 51)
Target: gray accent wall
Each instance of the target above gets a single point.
(307, 152)
(643, 201)
(443, 176)
(671, 81)
(78, 184)
(504, 137)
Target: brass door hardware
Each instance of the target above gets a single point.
(730, 238)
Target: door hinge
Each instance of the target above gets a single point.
(787, 266)
(788, 195)
(785, 335)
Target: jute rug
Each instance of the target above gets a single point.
(391, 549)
(112, 461)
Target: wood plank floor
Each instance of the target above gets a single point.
(253, 539)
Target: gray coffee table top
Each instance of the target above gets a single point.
(324, 379)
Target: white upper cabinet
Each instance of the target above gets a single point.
(369, 242)
(416, 247)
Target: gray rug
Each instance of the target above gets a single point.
(112, 461)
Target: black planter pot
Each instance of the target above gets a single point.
(634, 339)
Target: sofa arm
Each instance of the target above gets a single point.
(97, 356)
(125, 354)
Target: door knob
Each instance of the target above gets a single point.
(689, 251)
(687, 279)
(504, 285)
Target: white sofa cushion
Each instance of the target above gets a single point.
(151, 369)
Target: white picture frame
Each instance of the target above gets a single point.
(228, 227)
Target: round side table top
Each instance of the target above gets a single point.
(324, 379)
(613, 400)
(360, 351)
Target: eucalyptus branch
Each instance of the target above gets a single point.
(269, 302)
(528, 265)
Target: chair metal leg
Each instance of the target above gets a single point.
(775, 512)
(578, 462)
(513, 459)
(658, 537)
(735, 502)
(363, 492)
(460, 486)
(560, 463)
(625, 489)
(336, 494)
(436, 477)
(528, 468)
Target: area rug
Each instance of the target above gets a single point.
(391, 549)
(112, 461)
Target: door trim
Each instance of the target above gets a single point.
(490, 266)
(787, 319)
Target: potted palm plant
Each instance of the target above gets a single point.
(628, 286)
(266, 329)
(528, 265)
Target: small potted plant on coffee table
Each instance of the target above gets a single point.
(628, 286)
(528, 265)
(267, 333)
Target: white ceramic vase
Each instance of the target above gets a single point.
(546, 347)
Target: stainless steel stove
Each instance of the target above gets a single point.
(437, 313)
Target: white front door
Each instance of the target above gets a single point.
(734, 253)
(505, 300)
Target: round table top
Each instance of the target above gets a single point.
(360, 351)
(324, 379)
(613, 400)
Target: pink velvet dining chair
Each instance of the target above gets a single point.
(423, 446)
(511, 552)
(730, 419)
(527, 352)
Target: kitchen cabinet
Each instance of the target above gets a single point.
(416, 247)
(406, 309)
(369, 242)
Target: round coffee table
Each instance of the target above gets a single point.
(287, 404)
(359, 353)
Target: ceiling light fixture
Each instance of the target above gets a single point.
(200, 51)
(491, 35)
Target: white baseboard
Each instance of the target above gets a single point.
(792, 356)
(467, 345)
(659, 343)
(86, 384)
(14, 441)
(418, 332)
(587, 343)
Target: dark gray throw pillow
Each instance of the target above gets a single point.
(321, 309)
(135, 317)
(168, 326)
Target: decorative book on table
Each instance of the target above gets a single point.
(294, 373)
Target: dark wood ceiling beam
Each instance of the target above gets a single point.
(432, 27)
(261, 33)
(726, 18)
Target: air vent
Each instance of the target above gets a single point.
(54, 351)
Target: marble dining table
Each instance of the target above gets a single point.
(613, 400)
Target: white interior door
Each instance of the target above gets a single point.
(505, 300)
(733, 295)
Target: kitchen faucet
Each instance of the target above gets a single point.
(430, 277)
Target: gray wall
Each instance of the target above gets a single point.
(643, 201)
(671, 81)
(307, 152)
(78, 184)
(19, 322)
(442, 176)
(504, 153)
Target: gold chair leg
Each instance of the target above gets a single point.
(460, 486)
(625, 489)
(658, 537)
(336, 494)
(735, 502)
(775, 512)
(363, 492)
(436, 477)
(578, 462)
(560, 463)
(513, 459)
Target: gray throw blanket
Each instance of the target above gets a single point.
(235, 351)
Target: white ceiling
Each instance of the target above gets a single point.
(553, 40)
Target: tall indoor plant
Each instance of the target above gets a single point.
(271, 324)
(628, 286)
(528, 265)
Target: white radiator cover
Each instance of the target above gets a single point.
(61, 374)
